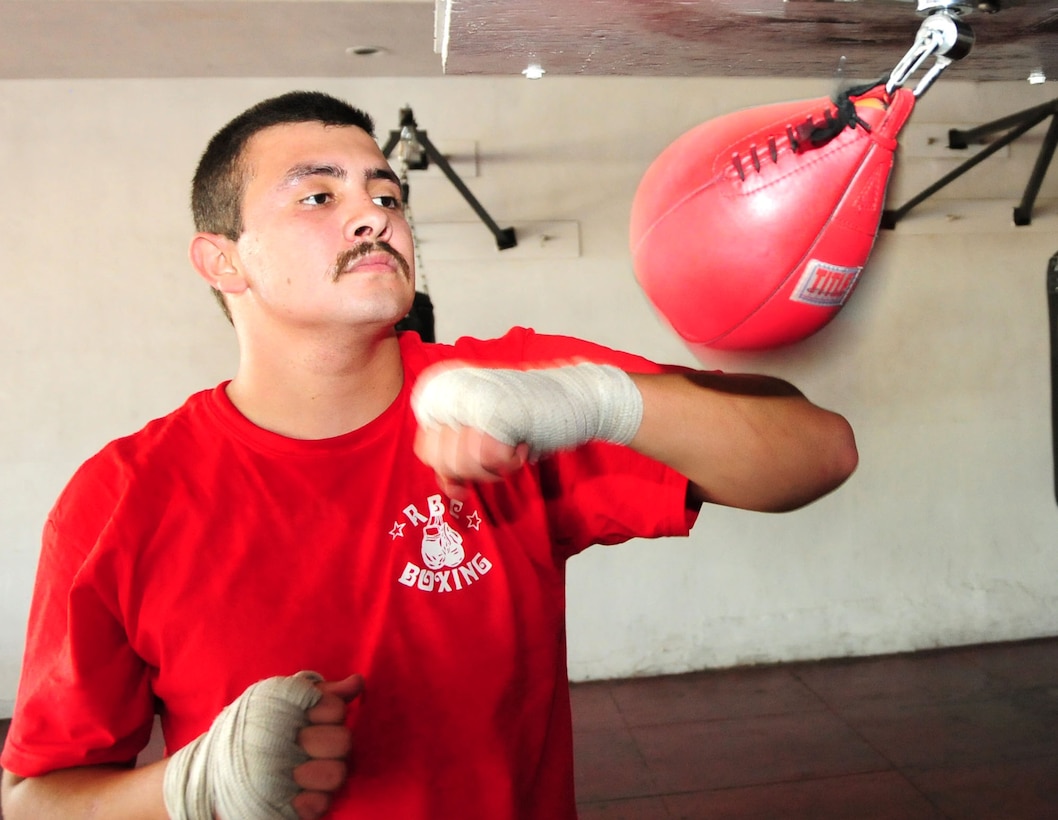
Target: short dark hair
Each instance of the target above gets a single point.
(220, 178)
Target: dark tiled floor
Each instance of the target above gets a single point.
(958, 734)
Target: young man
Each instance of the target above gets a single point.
(374, 527)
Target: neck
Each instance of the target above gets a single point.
(317, 389)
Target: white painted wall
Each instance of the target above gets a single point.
(947, 534)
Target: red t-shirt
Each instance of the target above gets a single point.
(201, 554)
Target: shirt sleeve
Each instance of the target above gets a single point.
(84, 697)
(599, 493)
(607, 494)
(525, 348)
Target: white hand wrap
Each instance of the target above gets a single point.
(549, 409)
(243, 766)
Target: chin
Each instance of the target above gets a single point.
(385, 311)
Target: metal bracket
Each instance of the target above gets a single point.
(1052, 311)
(1015, 126)
(418, 152)
(942, 35)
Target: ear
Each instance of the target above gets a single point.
(213, 257)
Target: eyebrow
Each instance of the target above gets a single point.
(299, 172)
(382, 173)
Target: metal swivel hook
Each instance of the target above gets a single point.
(943, 34)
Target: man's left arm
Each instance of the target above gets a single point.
(753, 442)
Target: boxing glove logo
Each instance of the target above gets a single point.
(441, 545)
(445, 567)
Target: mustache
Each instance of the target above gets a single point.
(346, 259)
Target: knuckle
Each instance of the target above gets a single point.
(310, 805)
(325, 740)
(329, 709)
(320, 775)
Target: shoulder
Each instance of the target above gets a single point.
(139, 449)
(521, 347)
(105, 478)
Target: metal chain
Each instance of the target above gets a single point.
(409, 216)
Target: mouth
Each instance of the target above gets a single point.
(371, 259)
(380, 261)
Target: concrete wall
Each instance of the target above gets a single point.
(947, 534)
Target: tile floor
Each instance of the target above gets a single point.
(957, 734)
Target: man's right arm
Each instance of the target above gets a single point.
(88, 791)
(116, 792)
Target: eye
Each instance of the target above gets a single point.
(390, 202)
(317, 199)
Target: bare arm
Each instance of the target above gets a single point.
(90, 791)
(744, 441)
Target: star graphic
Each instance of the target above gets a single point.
(397, 531)
(474, 520)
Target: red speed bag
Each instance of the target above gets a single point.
(750, 231)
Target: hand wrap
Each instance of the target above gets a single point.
(549, 409)
(243, 766)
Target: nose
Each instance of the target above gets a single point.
(368, 221)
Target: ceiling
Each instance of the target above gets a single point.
(685, 38)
